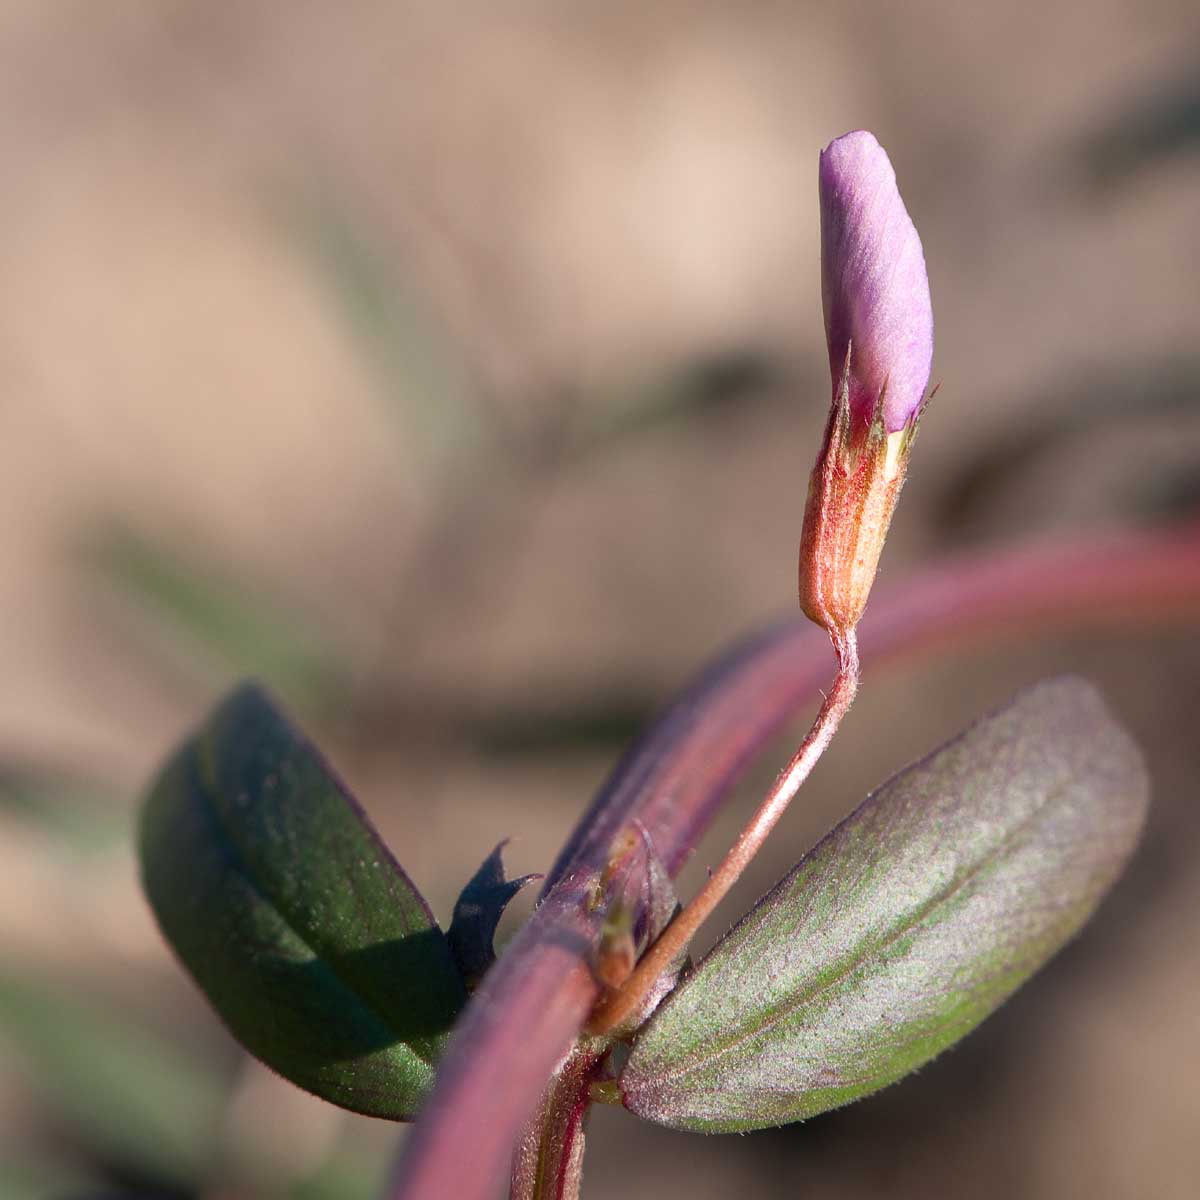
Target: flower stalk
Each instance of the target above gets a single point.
(619, 1004)
(879, 329)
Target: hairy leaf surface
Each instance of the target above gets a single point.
(906, 926)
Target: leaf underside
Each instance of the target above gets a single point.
(290, 913)
(906, 926)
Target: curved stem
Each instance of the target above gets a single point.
(621, 1004)
(528, 1012)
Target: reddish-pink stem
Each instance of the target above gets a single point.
(622, 1004)
(548, 1163)
(531, 1006)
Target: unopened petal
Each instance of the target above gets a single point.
(874, 285)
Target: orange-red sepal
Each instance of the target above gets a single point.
(851, 497)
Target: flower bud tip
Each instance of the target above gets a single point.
(879, 329)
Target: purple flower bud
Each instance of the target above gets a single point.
(879, 325)
(873, 284)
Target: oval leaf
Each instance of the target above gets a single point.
(293, 917)
(906, 926)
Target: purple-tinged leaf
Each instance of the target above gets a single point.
(674, 779)
(477, 912)
(906, 926)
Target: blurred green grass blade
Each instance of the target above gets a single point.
(345, 1176)
(1163, 392)
(24, 1178)
(233, 624)
(686, 392)
(121, 1088)
(33, 1179)
(1161, 125)
(419, 372)
(79, 814)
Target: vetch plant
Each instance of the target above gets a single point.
(892, 938)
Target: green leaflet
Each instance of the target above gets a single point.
(906, 926)
(279, 897)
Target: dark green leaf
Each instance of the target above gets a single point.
(477, 912)
(288, 910)
(905, 926)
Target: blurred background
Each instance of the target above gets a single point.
(458, 370)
